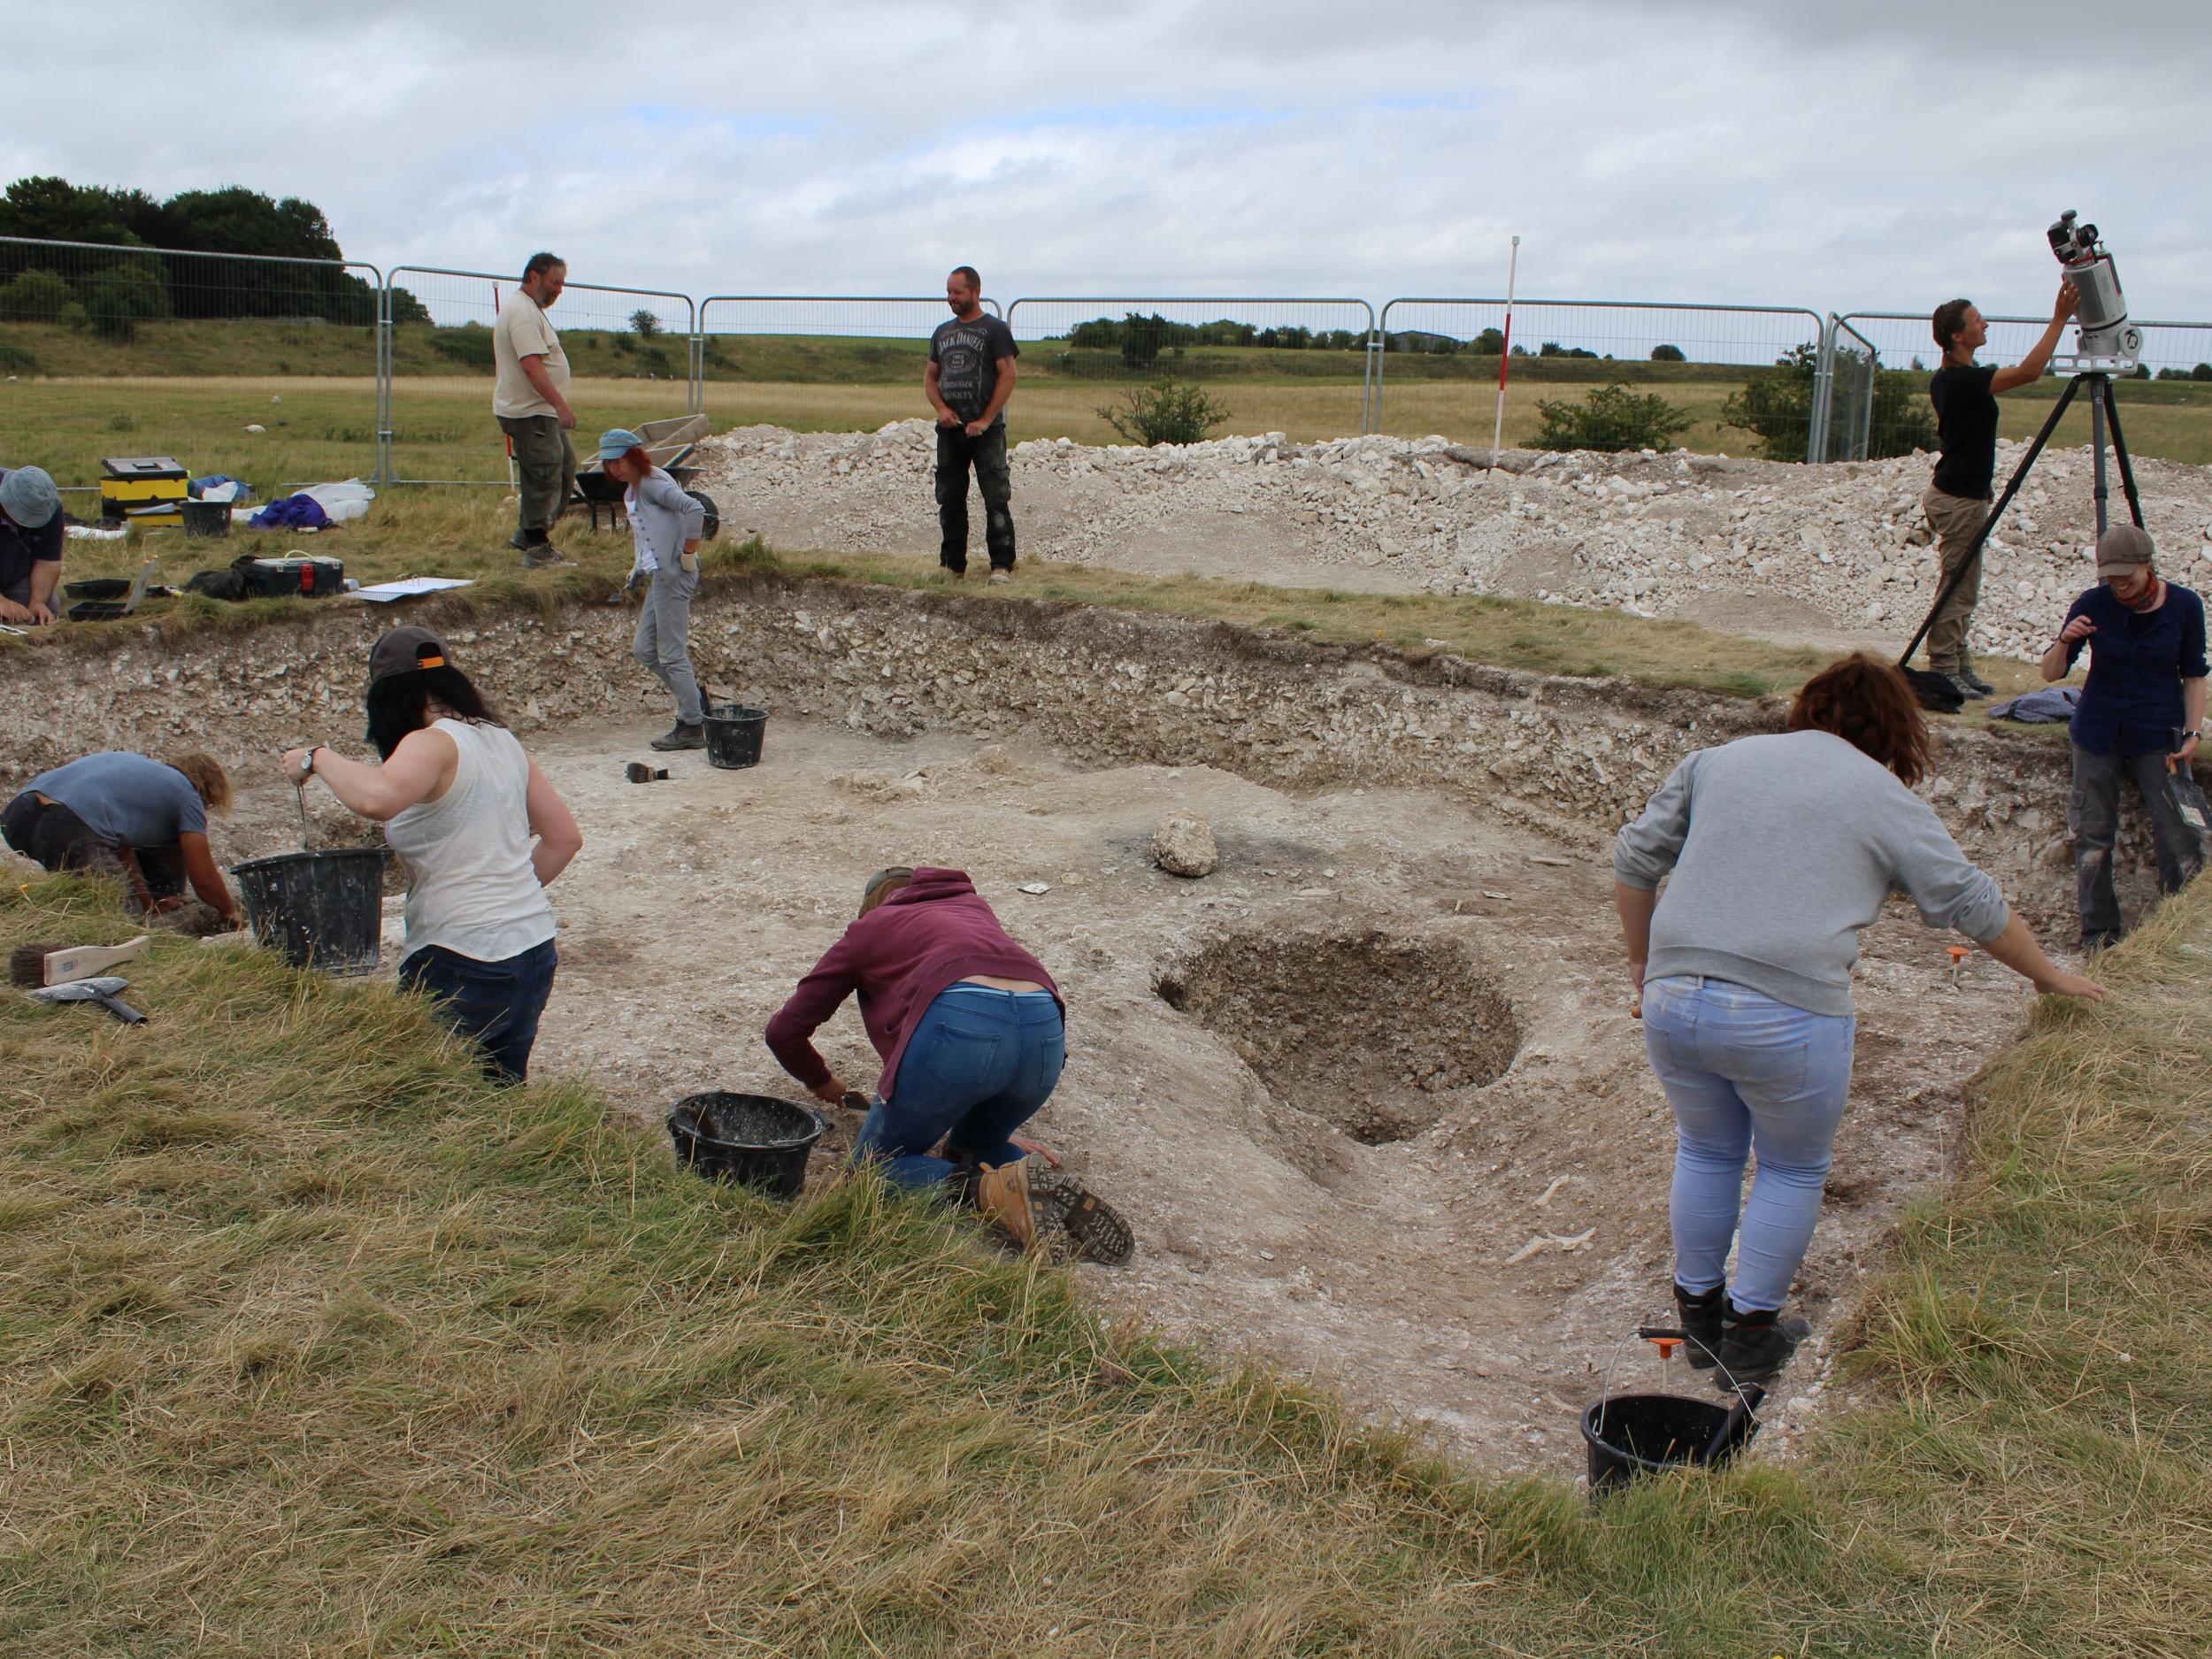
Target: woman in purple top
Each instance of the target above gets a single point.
(972, 1032)
(2141, 713)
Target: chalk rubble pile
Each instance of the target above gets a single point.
(1654, 535)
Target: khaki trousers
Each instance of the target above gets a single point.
(1956, 520)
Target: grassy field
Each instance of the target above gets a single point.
(309, 1342)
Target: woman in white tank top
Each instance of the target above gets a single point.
(461, 802)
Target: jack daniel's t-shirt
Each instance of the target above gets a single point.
(967, 357)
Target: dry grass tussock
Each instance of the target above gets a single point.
(311, 1343)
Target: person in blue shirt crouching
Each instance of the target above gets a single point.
(2141, 713)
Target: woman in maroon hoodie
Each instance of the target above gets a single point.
(970, 1029)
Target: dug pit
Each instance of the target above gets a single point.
(1373, 1034)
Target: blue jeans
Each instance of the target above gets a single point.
(979, 1065)
(1744, 1072)
(494, 1004)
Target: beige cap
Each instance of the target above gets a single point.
(2124, 548)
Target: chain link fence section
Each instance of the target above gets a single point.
(629, 356)
(1227, 367)
(817, 362)
(1440, 361)
(253, 367)
(2171, 414)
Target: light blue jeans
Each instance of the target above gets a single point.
(1745, 1073)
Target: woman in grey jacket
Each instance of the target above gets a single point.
(1776, 851)
(665, 525)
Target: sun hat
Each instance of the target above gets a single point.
(27, 496)
(615, 442)
(2122, 548)
(402, 651)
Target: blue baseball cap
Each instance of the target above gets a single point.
(616, 441)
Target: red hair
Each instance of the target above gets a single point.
(1869, 705)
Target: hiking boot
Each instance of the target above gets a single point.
(1964, 687)
(946, 573)
(1967, 677)
(1754, 1345)
(522, 541)
(544, 556)
(1001, 1193)
(683, 734)
(1002, 576)
(1700, 1316)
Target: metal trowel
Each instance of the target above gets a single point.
(101, 990)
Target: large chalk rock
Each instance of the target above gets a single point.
(1184, 846)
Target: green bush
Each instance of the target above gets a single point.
(1489, 343)
(471, 344)
(1611, 419)
(35, 296)
(16, 360)
(1777, 403)
(645, 323)
(1668, 354)
(1167, 411)
(118, 299)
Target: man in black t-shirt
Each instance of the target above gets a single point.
(1965, 393)
(970, 377)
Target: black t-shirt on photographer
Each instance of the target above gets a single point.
(967, 357)
(1966, 425)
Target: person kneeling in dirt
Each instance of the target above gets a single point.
(972, 1034)
(2141, 713)
(123, 815)
(665, 525)
(1776, 851)
(460, 802)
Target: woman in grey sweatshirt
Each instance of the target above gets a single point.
(666, 523)
(1776, 851)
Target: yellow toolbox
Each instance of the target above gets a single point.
(146, 488)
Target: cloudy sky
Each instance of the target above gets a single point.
(1837, 157)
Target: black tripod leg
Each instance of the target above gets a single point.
(2120, 449)
(1981, 536)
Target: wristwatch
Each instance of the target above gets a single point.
(307, 767)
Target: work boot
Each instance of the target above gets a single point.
(1700, 1314)
(1001, 1195)
(1002, 576)
(946, 573)
(1966, 676)
(1754, 1345)
(1965, 686)
(544, 556)
(683, 734)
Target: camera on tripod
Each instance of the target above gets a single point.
(2107, 343)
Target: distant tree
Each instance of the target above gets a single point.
(2142, 371)
(1611, 419)
(407, 309)
(1668, 354)
(646, 326)
(2173, 375)
(2202, 371)
(57, 211)
(1167, 411)
(1141, 338)
(1489, 343)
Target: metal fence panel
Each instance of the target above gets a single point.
(1297, 366)
(1438, 371)
(629, 351)
(262, 369)
(816, 361)
(1848, 397)
(2172, 352)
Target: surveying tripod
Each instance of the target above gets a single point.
(2104, 409)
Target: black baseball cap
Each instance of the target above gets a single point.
(404, 651)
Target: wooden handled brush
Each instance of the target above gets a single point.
(60, 964)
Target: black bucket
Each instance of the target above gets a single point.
(322, 909)
(755, 1139)
(1643, 1434)
(734, 734)
(206, 517)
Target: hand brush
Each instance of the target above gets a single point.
(59, 965)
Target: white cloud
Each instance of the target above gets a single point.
(1835, 157)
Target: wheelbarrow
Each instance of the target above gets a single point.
(668, 444)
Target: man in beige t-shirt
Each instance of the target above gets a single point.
(530, 400)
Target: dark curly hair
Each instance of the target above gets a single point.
(1869, 705)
